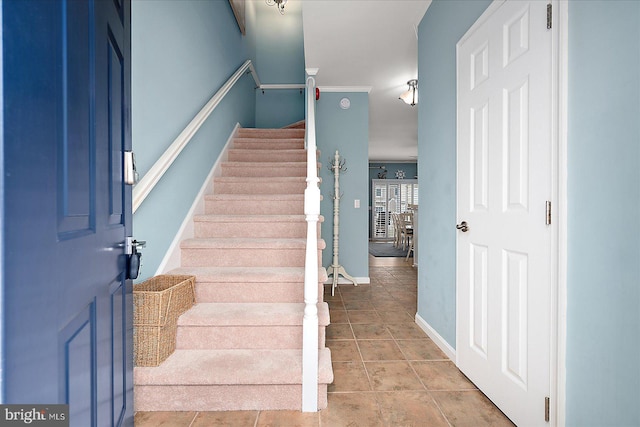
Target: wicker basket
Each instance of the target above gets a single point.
(153, 344)
(157, 304)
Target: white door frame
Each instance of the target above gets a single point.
(558, 333)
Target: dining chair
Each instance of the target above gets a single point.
(406, 229)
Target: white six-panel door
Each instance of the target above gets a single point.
(504, 178)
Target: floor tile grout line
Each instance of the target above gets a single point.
(193, 420)
(406, 359)
(358, 347)
(423, 383)
(393, 338)
(435, 402)
(409, 362)
(364, 366)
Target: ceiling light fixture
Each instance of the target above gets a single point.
(279, 3)
(411, 96)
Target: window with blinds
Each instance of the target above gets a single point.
(390, 196)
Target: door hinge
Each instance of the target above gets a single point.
(549, 16)
(548, 213)
(546, 408)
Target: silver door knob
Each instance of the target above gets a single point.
(463, 226)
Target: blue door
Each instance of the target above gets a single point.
(66, 302)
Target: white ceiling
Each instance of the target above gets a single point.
(370, 43)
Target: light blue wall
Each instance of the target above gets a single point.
(279, 108)
(442, 26)
(410, 170)
(603, 315)
(182, 53)
(250, 29)
(279, 59)
(603, 320)
(348, 132)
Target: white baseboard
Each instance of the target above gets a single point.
(171, 259)
(436, 338)
(343, 281)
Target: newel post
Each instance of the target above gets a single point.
(312, 214)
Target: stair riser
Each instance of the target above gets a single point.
(286, 170)
(268, 257)
(252, 292)
(269, 156)
(252, 229)
(261, 187)
(223, 397)
(270, 133)
(268, 144)
(243, 337)
(265, 207)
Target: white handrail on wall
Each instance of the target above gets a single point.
(151, 178)
(312, 215)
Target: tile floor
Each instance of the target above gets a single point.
(387, 371)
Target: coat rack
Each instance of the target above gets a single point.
(336, 269)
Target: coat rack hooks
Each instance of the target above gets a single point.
(336, 165)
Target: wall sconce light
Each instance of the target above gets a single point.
(279, 3)
(411, 96)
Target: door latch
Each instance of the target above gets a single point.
(463, 226)
(133, 256)
(130, 172)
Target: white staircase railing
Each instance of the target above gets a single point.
(144, 187)
(312, 213)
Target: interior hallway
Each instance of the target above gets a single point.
(387, 372)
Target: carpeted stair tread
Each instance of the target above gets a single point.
(254, 197)
(260, 179)
(228, 225)
(249, 314)
(248, 218)
(270, 133)
(264, 169)
(246, 243)
(253, 218)
(259, 155)
(250, 284)
(232, 367)
(279, 143)
(262, 204)
(242, 243)
(269, 137)
(263, 151)
(248, 274)
(269, 164)
(260, 184)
